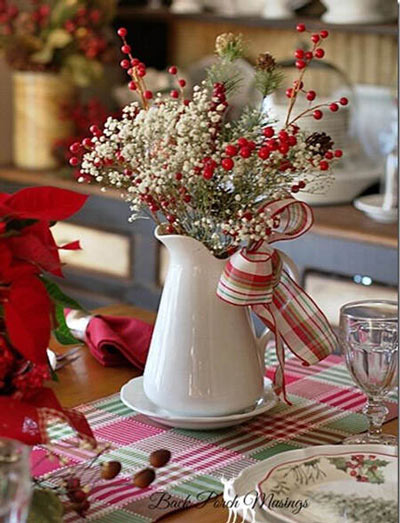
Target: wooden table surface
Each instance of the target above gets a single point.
(86, 380)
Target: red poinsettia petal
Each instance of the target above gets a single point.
(30, 247)
(72, 246)
(5, 260)
(45, 203)
(27, 421)
(27, 317)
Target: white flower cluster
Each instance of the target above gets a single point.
(207, 177)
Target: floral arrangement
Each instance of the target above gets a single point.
(82, 115)
(209, 177)
(31, 307)
(58, 36)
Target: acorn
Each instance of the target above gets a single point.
(159, 458)
(110, 469)
(144, 478)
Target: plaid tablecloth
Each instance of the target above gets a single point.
(325, 410)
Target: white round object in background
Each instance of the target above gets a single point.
(277, 9)
(359, 11)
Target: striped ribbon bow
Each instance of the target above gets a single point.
(254, 277)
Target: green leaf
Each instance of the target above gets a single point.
(45, 507)
(61, 12)
(62, 333)
(56, 39)
(58, 297)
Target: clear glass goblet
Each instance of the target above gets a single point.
(369, 339)
(15, 481)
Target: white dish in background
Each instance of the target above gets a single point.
(347, 185)
(359, 11)
(371, 205)
(312, 473)
(134, 397)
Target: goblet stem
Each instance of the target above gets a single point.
(376, 412)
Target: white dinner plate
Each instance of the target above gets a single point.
(320, 484)
(133, 396)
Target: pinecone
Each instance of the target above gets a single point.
(266, 62)
(319, 143)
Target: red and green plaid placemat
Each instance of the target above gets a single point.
(325, 410)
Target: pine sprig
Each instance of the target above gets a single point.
(224, 72)
(266, 82)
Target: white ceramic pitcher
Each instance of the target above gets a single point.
(204, 358)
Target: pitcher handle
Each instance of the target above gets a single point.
(267, 335)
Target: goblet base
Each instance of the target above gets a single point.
(367, 439)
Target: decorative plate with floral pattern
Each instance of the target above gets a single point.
(322, 484)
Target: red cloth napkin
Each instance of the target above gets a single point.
(117, 340)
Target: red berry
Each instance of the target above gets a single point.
(132, 86)
(329, 155)
(227, 164)
(323, 165)
(124, 64)
(317, 114)
(95, 130)
(308, 55)
(174, 93)
(135, 62)
(187, 198)
(178, 176)
(295, 188)
(301, 184)
(283, 135)
(292, 140)
(122, 32)
(153, 207)
(311, 95)
(263, 153)
(126, 49)
(319, 53)
(315, 38)
(284, 147)
(74, 148)
(171, 218)
(242, 142)
(148, 95)
(78, 496)
(338, 153)
(182, 82)
(245, 152)
(334, 107)
(300, 28)
(208, 172)
(300, 64)
(296, 84)
(173, 69)
(343, 101)
(272, 145)
(324, 33)
(141, 71)
(269, 132)
(251, 145)
(299, 53)
(170, 229)
(73, 161)
(353, 473)
(231, 150)
(289, 92)
(87, 142)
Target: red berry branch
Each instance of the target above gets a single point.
(303, 60)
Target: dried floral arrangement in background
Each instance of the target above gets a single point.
(72, 37)
(182, 158)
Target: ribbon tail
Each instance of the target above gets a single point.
(279, 376)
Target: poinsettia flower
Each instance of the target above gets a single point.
(42, 203)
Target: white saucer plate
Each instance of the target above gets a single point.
(133, 396)
(321, 484)
(371, 205)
